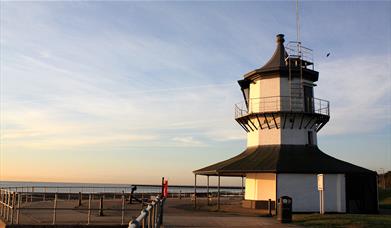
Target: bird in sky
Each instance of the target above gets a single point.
(328, 54)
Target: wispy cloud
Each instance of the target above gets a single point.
(359, 90)
(188, 141)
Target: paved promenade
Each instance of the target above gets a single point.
(180, 213)
(177, 213)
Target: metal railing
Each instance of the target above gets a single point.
(282, 104)
(8, 201)
(156, 189)
(296, 51)
(12, 203)
(68, 189)
(151, 216)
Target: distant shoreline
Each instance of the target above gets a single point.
(80, 184)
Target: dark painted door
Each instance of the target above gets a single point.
(308, 99)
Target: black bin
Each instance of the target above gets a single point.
(284, 209)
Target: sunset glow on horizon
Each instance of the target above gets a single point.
(128, 92)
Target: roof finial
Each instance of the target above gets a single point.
(280, 39)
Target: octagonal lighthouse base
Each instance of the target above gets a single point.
(262, 187)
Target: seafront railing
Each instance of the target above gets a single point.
(7, 205)
(59, 205)
(151, 216)
(13, 203)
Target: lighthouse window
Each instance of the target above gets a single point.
(310, 138)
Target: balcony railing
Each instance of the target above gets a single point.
(309, 105)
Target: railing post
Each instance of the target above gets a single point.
(155, 215)
(32, 193)
(123, 208)
(150, 220)
(269, 207)
(207, 190)
(195, 190)
(54, 209)
(8, 203)
(1, 202)
(13, 207)
(218, 192)
(161, 211)
(4, 200)
(80, 198)
(101, 206)
(145, 221)
(242, 190)
(18, 208)
(89, 210)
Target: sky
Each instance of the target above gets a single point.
(128, 92)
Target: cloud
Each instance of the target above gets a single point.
(188, 141)
(359, 91)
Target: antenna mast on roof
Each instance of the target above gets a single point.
(295, 62)
(299, 42)
(297, 22)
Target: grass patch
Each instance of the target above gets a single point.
(342, 220)
(385, 198)
(384, 194)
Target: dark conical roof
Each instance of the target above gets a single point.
(277, 61)
(281, 159)
(277, 66)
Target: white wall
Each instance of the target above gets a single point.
(334, 195)
(271, 87)
(276, 136)
(305, 195)
(297, 136)
(260, 186)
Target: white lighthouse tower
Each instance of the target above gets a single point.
(281, 117)
(279, 105)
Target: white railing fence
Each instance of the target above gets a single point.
(151, 216)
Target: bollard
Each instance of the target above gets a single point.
(80, 198)
(101, 206)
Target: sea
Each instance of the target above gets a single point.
(66, 187)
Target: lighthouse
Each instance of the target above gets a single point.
(281, 116)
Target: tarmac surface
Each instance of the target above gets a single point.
(181, 213)
(177, 213)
